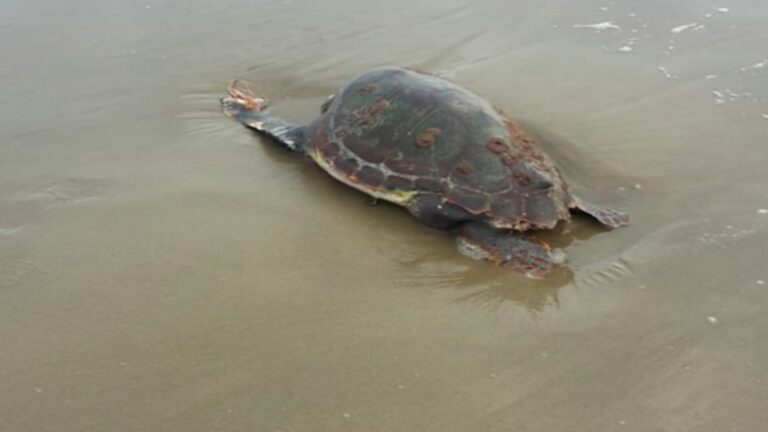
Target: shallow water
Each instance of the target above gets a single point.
(161, 268)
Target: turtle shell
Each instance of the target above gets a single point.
(397, 134)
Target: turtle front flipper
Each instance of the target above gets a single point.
(609, 218)
(523, 254)
(243, 106)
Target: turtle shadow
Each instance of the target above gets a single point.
(488, 286)
(582, 165)
(536, 296)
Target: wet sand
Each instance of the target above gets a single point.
(161, 268)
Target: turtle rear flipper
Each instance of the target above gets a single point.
(248, 109)
(609, 218)
(523, 254)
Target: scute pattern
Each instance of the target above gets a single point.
(396, 130)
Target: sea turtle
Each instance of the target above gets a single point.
(442, 152)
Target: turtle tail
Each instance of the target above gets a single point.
(242, 105)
